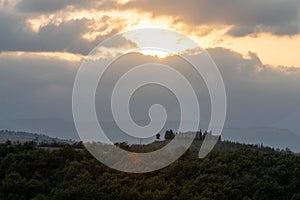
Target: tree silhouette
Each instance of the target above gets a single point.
(169, 135)
(157, 136)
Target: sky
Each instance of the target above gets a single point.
(254, 43)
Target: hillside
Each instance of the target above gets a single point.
(238, 172)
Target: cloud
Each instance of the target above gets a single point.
(243, 17)
(280, 17)
(35, 86)
(66, 36)
(44, 6)
(239, 31)
(258, 94)
(16, 36)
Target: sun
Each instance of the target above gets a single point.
(159, 43)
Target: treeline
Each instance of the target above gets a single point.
(198, 135)
(30, 172)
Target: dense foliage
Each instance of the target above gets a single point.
(30, 172)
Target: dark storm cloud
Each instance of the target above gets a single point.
(279, 17)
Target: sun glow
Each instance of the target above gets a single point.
(154, 53)
(70, 57)
(159, 43)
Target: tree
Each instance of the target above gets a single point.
(157, 136)
(169, 135)
(199, 135)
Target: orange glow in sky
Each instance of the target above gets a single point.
(270, 49)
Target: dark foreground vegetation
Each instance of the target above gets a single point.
(232, 171)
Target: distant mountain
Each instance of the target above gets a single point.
(291, 121)
(273, 137)
(21, 137)
(50, 126)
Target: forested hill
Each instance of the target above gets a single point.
(239, 172)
